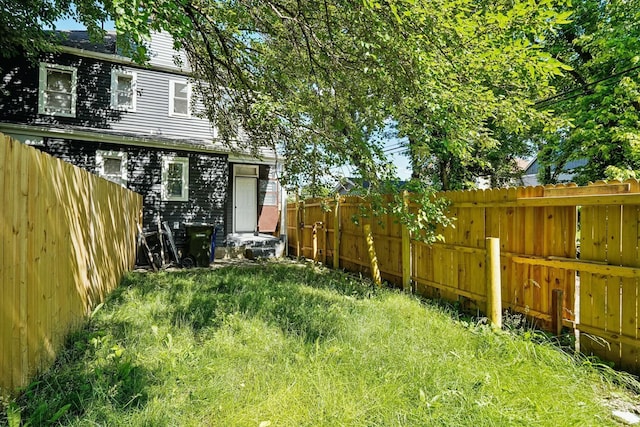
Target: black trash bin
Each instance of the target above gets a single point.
(199, 238)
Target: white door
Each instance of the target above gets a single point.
(246, 204)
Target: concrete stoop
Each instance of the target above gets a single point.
(251, 246)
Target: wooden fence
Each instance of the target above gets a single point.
(537, 228)
(66, 238)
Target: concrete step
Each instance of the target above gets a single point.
(253, 246)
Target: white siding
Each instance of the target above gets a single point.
(162, 53)
(151, 117)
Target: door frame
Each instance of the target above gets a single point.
(244, 171)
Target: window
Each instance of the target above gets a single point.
(246, 170)
(57, 94)
(175, 179)
(112, 165)
(179, 98)
(123, 90)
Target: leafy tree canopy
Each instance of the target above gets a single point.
(600, 97)
(325, 80)
(322, 81)
(25, 24)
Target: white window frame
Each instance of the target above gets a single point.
(102, 155)
(42, 90)
(166, 161)
(114, 89)
(251, 171)
(172, 94)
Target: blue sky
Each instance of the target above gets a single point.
(402, 163)
(72, 24)
(395, 147)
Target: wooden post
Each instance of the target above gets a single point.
(494, 288)
(297, 225)
(336, 234)
(557, 296)
(406, 248)
(373, 259)
(314, 239)
(325, 235)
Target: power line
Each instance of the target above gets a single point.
(583, 87)
(394, 148)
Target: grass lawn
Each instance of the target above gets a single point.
(288, 344)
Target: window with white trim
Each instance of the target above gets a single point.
(175, 179)
(57, 91)
(112, 165)
(123, 90)
(179, 98)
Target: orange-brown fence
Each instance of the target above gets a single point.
(537, 228)
(66, 239)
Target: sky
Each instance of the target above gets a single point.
(72, 24)
(395, 156)
(402, 163)
(400, 160)
(394, 152)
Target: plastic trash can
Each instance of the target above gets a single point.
(200, 244)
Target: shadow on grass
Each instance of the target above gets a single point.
(90, 365)
(300, 299)
(95, 366)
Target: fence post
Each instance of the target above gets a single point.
(373, 259)
(314, 242)
(297, 225)
(406, 248)
(325, 233)
(336, 234)
(557, 295)
(494, 288)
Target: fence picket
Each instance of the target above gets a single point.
(43, 269)
(586, 311)
(538, 255)
(629, 294)
(10, 260)
(21, 251)
(614, 243)
(5, 315)
(600, 284)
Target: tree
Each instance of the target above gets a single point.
(599, 99)
(323, 79)
(25, 24)
(484, 68)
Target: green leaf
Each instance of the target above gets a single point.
(59, 413)
(13, 415)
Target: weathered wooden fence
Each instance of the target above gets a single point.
(66, 238)
(537, 228)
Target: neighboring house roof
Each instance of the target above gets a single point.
(345, 185)
(348, 184)
(162, 56)
(530, 175)
(569, 167)
(81, 40)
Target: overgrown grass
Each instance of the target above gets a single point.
(285, 344)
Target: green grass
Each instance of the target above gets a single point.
(286, 344)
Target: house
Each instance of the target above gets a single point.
(139, 126)
(357, 186)
(530, 174)
(347, 185)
